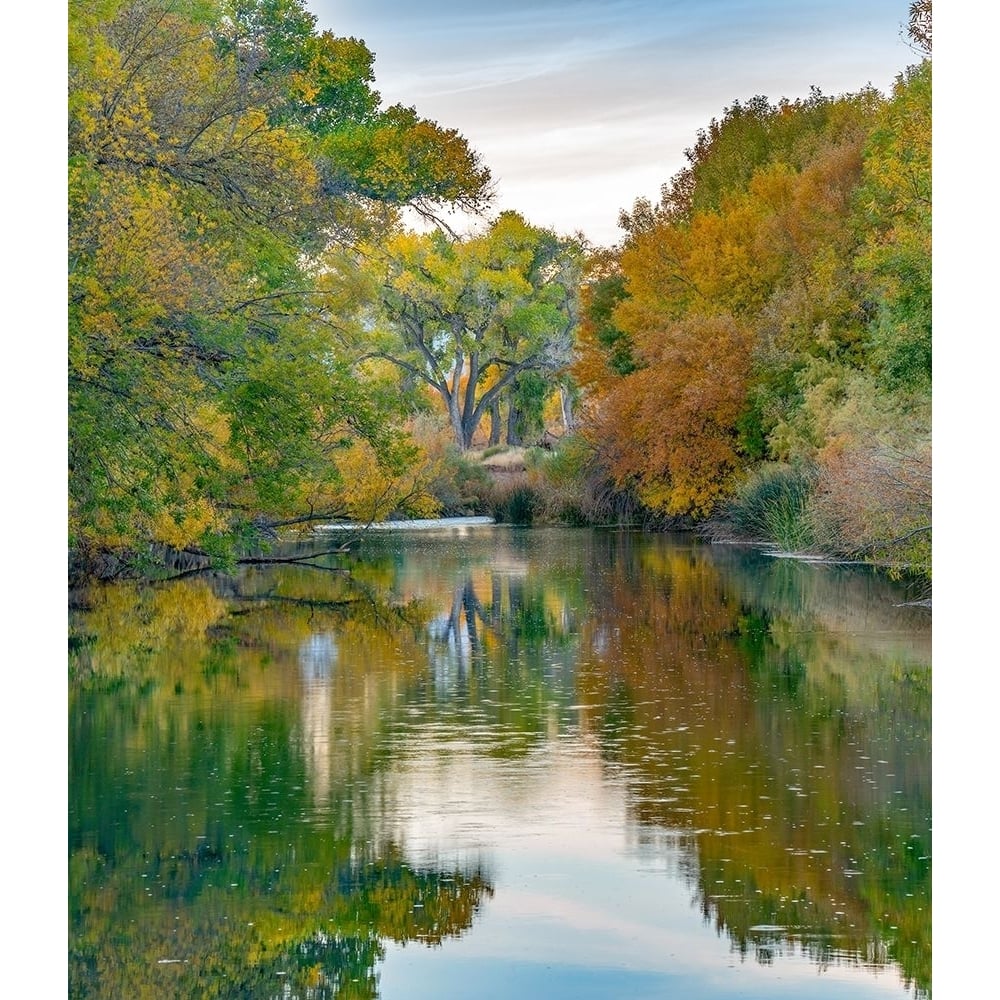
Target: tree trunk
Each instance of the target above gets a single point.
(470, 422)
(495, 425)
(457, 424)
(566, 405)
(513, 424)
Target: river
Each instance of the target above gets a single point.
(497, 762)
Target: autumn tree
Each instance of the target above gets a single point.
(675, 334)
(750, 135)
(205, 398)
(473, 319)
(737, 284)
(775, 307)
(670, 428)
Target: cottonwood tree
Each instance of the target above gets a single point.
(471, 318)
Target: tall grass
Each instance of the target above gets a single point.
(772, 506)
(574, 488)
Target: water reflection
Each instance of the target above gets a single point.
(317, 660)
(796, 753)
(276, 776)
(255, 921)
(514, 620)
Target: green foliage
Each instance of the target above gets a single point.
(895, 213)
(900, 346)
(749, 136)
(526, 400)
(400, 159)
(476, 320)
(207, 399)
(568, 463)
(535, 458)
(603, 296)
(771, 505)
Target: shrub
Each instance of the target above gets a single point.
(568, 464)
(874, 503)
(575, 488)
(459, 485)
(772, 506)
(515, 504)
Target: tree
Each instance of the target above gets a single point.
(895, 215)
(206, 399)
(670, 429)
(744, 274)
(605, 352)
(919, 28)
(471, 318)
(776, 305)
(749, 136)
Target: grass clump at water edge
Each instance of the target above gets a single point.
(772, 506)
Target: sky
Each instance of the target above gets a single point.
(578, 107)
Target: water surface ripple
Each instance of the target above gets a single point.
(502, 763)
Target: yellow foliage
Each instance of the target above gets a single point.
(130, 620)
(183, 527)
(370, 493)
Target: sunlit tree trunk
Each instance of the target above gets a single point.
(566, 406)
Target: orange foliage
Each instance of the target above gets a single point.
(668, 429)
(699, 300)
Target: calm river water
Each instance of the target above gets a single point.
(506, 763)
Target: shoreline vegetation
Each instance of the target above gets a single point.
(525, 492)
(259, 345)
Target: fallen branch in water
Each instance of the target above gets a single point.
(311, 602)
(302, 560)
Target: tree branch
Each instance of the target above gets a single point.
(296, 560)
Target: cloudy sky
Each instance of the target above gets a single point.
(580, 106)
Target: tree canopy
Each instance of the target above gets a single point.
(775, 306)
(216, 147)
(471, 318)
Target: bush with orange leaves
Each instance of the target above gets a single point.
(669, 430)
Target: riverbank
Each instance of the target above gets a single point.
(774, 515)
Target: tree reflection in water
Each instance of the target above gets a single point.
(222, 928)
(232, 742)
(219, 748)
